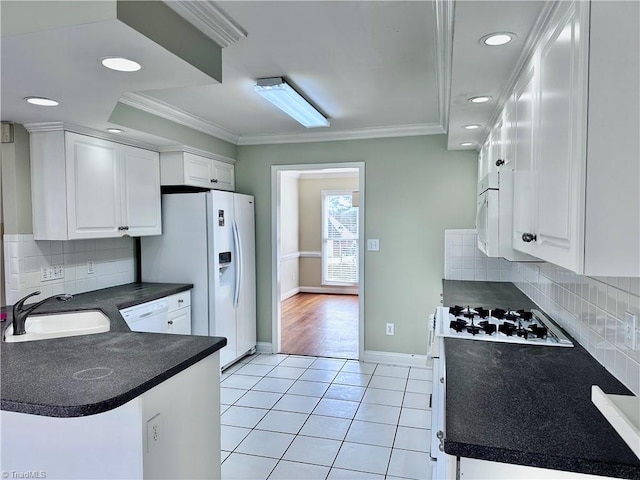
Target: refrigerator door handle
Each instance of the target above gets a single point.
(238, 263)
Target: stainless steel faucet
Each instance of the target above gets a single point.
(20, 312)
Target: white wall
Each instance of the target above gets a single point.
(289, 222)
(24, 257)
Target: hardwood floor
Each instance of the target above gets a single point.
(320, 325)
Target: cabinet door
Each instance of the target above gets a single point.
(223, 176)
(141, 192)
(559, 158)
(523, 179)
(179, 321)
(93, 187)
(198, 171)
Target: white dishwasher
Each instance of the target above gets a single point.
(148, 317)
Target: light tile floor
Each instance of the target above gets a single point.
(293, 417)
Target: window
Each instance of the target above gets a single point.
(340, 239)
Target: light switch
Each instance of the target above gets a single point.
(373, 244)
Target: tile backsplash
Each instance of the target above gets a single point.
(591, 310)
(463, 260)
(113, 264)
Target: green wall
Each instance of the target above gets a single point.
(414, 189)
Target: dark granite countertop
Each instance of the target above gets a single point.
(485, 294)
(89, 374)
(529, 405)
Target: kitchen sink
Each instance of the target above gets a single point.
(58, 325)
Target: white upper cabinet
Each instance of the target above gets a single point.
(576, 152)
(184, 168)
(85, 187)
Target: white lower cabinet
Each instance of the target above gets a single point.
(179, 314)
(473, 469)
(184, 168)
(171, 431)
(86, 187)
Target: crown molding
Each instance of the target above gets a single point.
(174, 114)
(355, 134)
(196, 151)
(210, 19)
(444, 12)
(90, 132)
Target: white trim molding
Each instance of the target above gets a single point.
(264, 347)
(354, 134)
(210, 19)
(310, 254)
(168, 112)
(391, 358)
(91, 132)
(289, 294)
(287, 257)
(196, 151)
(351, 290)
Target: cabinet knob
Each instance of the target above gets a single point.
(214, 180)
(120, 228)
(180, 300)
(529, 237)
(440, 435)
(499, 162)
(170, 322)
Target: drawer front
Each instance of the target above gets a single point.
(179, 300)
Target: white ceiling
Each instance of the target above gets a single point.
(374, 68)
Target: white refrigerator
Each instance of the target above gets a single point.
(208, 239)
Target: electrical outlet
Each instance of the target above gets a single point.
(51, 273)
(373, 244)
(630, 325)
(390, 329)
(154, 432)
(90, 266)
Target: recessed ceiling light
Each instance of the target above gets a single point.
(121, 64)
(497, 39)
(466, 144)
(473, 126)
(41, 101)
(115, 130)
(480, 99)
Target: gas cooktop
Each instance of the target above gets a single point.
(498, 325)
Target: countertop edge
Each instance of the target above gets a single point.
(529, 459)
(114, 402)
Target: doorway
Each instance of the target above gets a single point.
(317, 259)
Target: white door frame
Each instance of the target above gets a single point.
(276, 171)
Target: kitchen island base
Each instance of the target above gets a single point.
(170, 431)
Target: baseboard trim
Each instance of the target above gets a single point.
(390, 358)
(332, 290)
(264, 347)
(289, 294)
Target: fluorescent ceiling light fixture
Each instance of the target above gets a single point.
(41, 101)
(480, 99)
(283, 96)
(115, 130)
(121, 64)
(471, 127)
(466, 144)
(497, 39)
